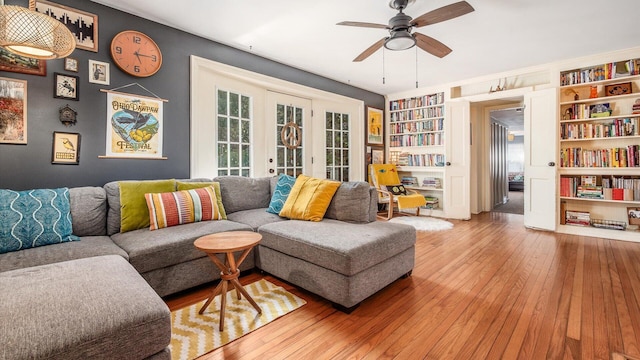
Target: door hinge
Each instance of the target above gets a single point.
(312, 159)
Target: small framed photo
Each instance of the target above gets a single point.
(66, 148)
(374, 126)
(66, 87)
(377, 155)
(71, 64)
(99, 72)
(20, 64)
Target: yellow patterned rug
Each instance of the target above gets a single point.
(193, 334)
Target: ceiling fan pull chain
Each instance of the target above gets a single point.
(416, 67)
(383, 66)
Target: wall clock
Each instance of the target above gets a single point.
(136, 53)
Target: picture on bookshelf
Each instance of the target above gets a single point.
(617, 89)
(634, 215)
(375, 126)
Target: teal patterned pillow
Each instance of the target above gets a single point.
(281, 193)
(34, 218)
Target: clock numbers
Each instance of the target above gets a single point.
(118, 50)
(136, 68)
(137, 39)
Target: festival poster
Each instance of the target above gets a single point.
(134, 126)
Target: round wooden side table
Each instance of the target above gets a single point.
(227, 243)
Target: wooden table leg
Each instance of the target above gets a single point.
(215, 292)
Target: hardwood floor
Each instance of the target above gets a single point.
(487, 289)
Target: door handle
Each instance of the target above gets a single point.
(448, 163)
(551, 163)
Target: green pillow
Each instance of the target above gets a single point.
(190, 185)
(134, 213)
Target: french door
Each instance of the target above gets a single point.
(288, 135)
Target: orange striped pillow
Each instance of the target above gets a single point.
(182, 207)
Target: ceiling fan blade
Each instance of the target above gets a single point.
(431, 45)
(370, 50)
(362, 24)
(442, 14)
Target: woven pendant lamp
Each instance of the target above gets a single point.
(32, 34)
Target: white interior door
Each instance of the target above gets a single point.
(457, 204)
(288, 134)
(540, 142)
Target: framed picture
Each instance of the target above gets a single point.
(99, 72)
(634, 215)
(374, 125)
(13, 111)
(71, 64)
(66, 148)
(20, 64)
(82, 24)
(377, 155)
(66, 87)
(617, 89)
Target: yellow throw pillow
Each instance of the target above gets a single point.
(309, 198)
(190, 185)
(134, 213)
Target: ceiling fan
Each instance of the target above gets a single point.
(400, 26)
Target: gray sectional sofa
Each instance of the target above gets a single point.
(87, 298)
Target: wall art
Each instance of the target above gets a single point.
(13, 111)
(66, 148)
(82, 24)
(99, 72)
(375, 126)
(20, 64)
(134, 126)
(66, 87)
(71, 64)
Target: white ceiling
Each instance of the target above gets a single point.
(501, 35)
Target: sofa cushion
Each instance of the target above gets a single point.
(281, 193)
(134, 213)
(150, 250)
(88, 247)
(88, 210)
(182, 207)
(255, 217)
(336, 245)
(351, 203)
(34, 218)
(93, 308)
(188, 185)
(113, 200)
(309, 198)
(243, 193)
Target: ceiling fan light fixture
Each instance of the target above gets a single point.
(33, 34)
(400, 40)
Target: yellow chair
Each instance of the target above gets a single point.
(383, 177)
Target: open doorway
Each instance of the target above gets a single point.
(507, 160)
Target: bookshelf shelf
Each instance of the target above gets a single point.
(421, 168)
(424, 188)
(599, 136)
(629, 202)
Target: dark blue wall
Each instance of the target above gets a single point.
(29, 166)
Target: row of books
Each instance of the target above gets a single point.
(429, 139)
(607, 71)
(417, 114)
(615, 157)
(627, 189)
(418, 101)
(581, 218)
(433, 182)
(418, 126)
(617, 127)
(586, 111)
(406, 159)
(432, 202)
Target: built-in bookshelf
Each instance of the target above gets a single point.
(416, 144)
(599, 158)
